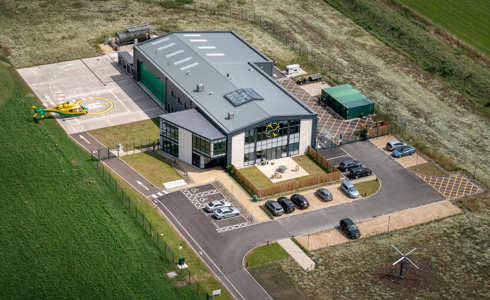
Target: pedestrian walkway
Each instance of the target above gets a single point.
(297, 254)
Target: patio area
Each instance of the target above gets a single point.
(282, 169)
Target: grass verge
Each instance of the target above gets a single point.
(265, 254)
(174, 240)
(65, 234)
(428, 169)
(152, 168)
(368, 187)
(129, 135)
(451, 253)
(276, 282)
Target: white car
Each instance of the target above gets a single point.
(393, 144)
(226, 212)
(214, 205)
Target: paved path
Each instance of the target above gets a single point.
(297, 254)
(224, 252)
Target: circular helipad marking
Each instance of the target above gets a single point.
(97, 105)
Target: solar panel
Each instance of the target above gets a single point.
(242, 96)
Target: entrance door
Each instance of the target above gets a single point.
(196, 160)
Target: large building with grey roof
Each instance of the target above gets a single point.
(222, 104)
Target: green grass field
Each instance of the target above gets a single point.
(469, 20)
(265, 254)
(129, 135)
(152, 168)
(64, 233)
(367, 188)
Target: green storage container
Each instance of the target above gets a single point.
(347, 101)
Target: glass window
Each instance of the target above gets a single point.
(201, 145)
(170, 131)
(219, 148)
(169, 146)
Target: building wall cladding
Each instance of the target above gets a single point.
(185, 145)
(306, 128)
(237, 149)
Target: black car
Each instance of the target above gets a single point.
(286, 204)
(274, 207)
(359, 172)
(300, 201)
(348, 226)
(347, 165)
(324, 194)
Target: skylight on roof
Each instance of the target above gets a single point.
(242, 96)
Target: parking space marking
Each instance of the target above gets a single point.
(233, 227)
(451, 187)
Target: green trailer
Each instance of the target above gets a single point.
(347, 101)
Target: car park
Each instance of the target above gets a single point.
(300, 201)
(214, 205)
(346, 165)
(225, 212)
(393, 144)
(324, 194)
(359, 172)
(349, 228)
(403, 151)
(275, 208)
(349, 189)
(286, 204)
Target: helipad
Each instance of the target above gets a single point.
(111, 96)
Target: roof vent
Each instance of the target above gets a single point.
(188, 73)
(230, 116)
(200, 87)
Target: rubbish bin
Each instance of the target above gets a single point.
(181, 261)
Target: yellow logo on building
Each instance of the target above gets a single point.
(272, 129)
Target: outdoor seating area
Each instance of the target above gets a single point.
(282, 169)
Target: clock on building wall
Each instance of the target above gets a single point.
(272, 129)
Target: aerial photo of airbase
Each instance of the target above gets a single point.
(244, 149)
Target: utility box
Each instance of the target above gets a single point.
(347, 101)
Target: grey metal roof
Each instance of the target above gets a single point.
(223, 62)
(193, 121)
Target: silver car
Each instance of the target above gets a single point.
(214, 205)
(226, 212)
(349, 189)
(393, 144)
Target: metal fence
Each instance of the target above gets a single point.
(162, 245)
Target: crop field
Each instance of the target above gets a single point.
(469, 20)
(442, 113)
(65, 233)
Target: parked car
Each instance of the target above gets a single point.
(346, 165)
(393, 144)
(214, 205)
(226, 212)
(349, 189)
(403, 151)
(286, 204)
(324, 194)
(300, 201)
(348, 226)
(359, 172)
(274, 207)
